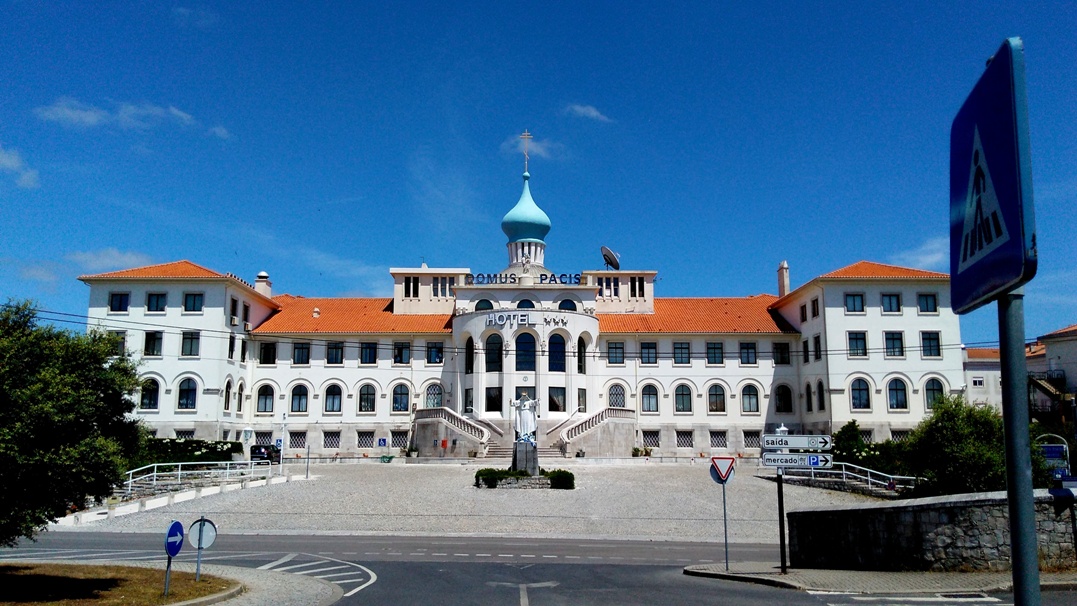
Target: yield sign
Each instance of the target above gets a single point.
(723, 467)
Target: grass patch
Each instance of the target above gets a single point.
(79, 585)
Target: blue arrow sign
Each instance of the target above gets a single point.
(174, 539)
(992, 224)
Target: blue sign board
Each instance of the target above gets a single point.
(992, 224)
(280, 443)
(174, 539)
(382, 442)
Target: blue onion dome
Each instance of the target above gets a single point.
(526, 222)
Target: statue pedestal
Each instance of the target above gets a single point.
(525, 458)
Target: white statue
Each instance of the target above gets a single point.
(524, 418)
(527, 264)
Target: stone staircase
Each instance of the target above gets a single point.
(545, 453)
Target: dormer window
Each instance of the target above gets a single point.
(411, 287)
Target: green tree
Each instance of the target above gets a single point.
(64, 431)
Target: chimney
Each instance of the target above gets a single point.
(783, 279)
(263, 286)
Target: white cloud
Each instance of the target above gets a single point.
(38, 273)
(11, 162)
(540, 148)
(932, 254)
(586, 111)
(71, 112)
(108, 259)
(220, 132)
(180, 116)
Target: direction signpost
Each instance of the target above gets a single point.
(722, 471)
(992, 255)
(173, 545)
(800, 442)
(781, 460)
(817, 461)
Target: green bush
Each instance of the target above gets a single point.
(561, 479)
(490, 476)
(172, 450)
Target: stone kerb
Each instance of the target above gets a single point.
(968, 532)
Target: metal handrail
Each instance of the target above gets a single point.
(223, 470)
(455, 419)
(847, 471)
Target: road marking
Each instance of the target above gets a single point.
(461, 555)
(523, 588)
(303, 565)
(594, 557)
(527, 555)
(335, 574)
(439, 554)
(320, 570)
(325, 553)
(351, 553)
(228, 557)
(505, 555)
(395, 553)
(339, 581)
(371, 553)
(286, 558)
(482, 555)
(572, 557)
(549, 556)
(37, 553)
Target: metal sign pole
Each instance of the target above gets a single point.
(198, 560)
(725, 525)
(781, 518)
(168, 574)
(1024, 549)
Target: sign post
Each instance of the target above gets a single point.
(173, 544)
(722, 471)
(781, 460)
(206, 531)
(992, 255)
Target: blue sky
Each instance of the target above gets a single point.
(324, 143)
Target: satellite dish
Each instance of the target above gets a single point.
(610, 258)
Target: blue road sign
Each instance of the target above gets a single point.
(174, 539)
(992, 224)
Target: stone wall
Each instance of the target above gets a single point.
(951, 533)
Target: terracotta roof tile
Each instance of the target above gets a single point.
(1033, 350)
(701, 315)
(348, 316)
(982, 353)
(176, 269)
(869, 270)
(1068, 331)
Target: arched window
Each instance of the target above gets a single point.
(932, 392)
(332, 398)
(433, 396)
(557, 353)
(299, 398)
(581, 356)
(617, 396)
(807, 397)
(228, 395)
(649, 399)
(367, 398)
(897, 394)
(188, 391)
(682, 398)
(820, 396)
(525, 352)
(783, 399)
(567, 305)
(400, 398)
(484, 305)
(716, 399)
(265, 399)
(239, 399)
(469, 356)
(860, 395)
(151, 391)
(493, 353)
(525, 304)
(749, 399)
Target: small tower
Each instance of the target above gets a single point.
(526, 225)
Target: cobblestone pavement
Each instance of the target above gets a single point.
(644, 501)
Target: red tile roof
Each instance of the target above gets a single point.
(1034, 350)
(982, 353)
(176, 269)
(1068, 331)
(348, 316)
(871, 270)
(701, 315)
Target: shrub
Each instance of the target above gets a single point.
(490, 476)
(561, 479)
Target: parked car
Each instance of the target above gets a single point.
(265, 453)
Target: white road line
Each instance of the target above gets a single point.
(335, 574)
(35, 553)
(527, 555)
(549, 556)
(394, 553)
(339, 581)
(439, 554)
(228, 556)
(320, 570)
(482, 555)
(594, 557)
(286, 558)
(461, 555)
(506, 555)
(325, 553)
(351, 553)
(303, 565)
(93, 556)
(413, 554)
(371, 553)
(370, 573)
(572, 557)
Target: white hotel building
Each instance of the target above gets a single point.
(612, 364)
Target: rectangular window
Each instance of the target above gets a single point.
(854, 303)
(715, 353)
(334, 353)
(557, 399)
(234, 310)
(154, 341)
(119, 301)
(682, 353)
(493, 399)
(651, 439)
(632, 287)
(190, 344)
(751, 439)
(121, 342)
(615, 352)
(331, 439)
(365, 439)
(748, 353)
(268, 353)
(891, 303)
(156, 301)
(895, 344)
(401, 352)
(246, 312)
(368, 353)
(927, 303)
(243, 350)
(815, 308)
(685, 439)
(781, 353)
(231, 347)
(581, 399)
(718, 439)
(817, 344)
(977, 381)
(192, 301)
(297, 439)
(435, 352)
(806, 352)
(469, 400)
(300, 354)
(184, 434)
(930, 347)
(803, 313)
(398, 439)
(617, 288)
(411, 287)
(858, 345)
(263, 438)
(648, 353)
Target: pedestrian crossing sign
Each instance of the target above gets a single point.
(992, 225)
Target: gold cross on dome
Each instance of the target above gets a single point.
(526, 136)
